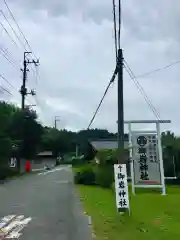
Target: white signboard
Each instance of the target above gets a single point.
(146, 159)
(121, 187)
(12, 225)
(13, 162)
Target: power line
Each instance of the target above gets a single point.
(13, 30)
(4, 89)
(158, 69)
(140, 88)
(107, 88)
(119, 26)
(19, 27)
(37, 74)
(8, 34)
(8, 82)
(115, 29)
(3, 53)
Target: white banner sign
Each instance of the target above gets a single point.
(13, 162)
(121, 186)
(146, 159)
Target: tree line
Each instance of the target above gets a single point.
(22, 130)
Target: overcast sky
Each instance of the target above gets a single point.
(74, 41)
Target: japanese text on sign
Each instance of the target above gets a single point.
(143, 166)
(121, 186)
(146, 158)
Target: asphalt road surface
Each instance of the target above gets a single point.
(42, 206)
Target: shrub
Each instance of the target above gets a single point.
(77, 161)
(107, 157)
(104, 176)
(85, 175)
(6, 172)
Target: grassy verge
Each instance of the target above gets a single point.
(152, 216)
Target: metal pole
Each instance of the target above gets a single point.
(174, 167)
(121, 158)
(77, 150)
(131, 158)
(161, 158)
(55, 121)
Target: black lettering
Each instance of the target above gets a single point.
(144, 176)
(143, 167)
(120, 167)
(121, 184)
(142, 150)
(123, 202)
(121, 176)
(122, 193)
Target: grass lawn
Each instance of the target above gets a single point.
(152, 216)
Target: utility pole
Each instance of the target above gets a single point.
(56, 120)
(23, 90)
(120, 108)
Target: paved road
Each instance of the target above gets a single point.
(46, 205)
(35, 165)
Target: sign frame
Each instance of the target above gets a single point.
(146, 133)
(158, 132)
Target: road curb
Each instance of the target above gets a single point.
(90, 225)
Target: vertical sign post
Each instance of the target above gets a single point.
(160, 158)
(121, 187)
(131, 158)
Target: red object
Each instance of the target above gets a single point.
(28, 166)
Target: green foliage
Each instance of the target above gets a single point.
(107, 157)
(5, 148)
(104, 176)
(78, 161)
(7, 172)
(20, 128)
(85, 175)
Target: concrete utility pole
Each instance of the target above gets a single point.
(56, 120)
(23, 90)
(120, 108)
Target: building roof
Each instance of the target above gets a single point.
(106, 144)
(45, 153)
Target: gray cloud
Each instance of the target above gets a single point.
(74, 40)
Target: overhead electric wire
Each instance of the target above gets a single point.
(8, 82)
(3, 53)
(157, 70)
(4, 89)
(18, 38)
(6, 52)
(119, 25)
(140, 88)
(8, 34)
(117, 45)
(37, 74)
(115, 29)
(101, 101)
(11, 13)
